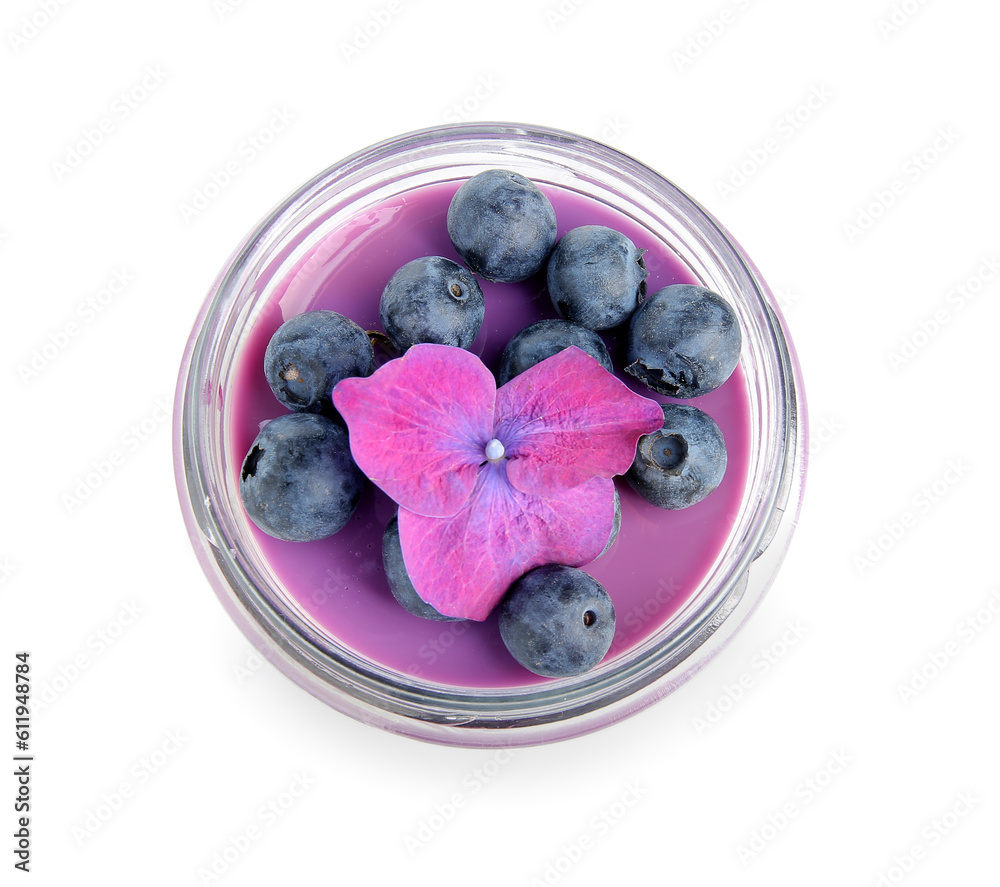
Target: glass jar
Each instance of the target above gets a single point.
(361, 686)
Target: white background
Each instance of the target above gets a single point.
(819, 769)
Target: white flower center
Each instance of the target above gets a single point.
(494, 450)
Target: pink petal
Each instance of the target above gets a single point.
(568, 419)
(418, 426)
(463, 565)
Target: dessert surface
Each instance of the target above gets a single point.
(339, 584)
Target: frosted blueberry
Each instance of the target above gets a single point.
(399, 580)
(502, 225)
(432, 299)
(683, 341)
(557, 621)
(312, 352)
(683, 462)
(535, 343)
(298, 481)
(596, 277)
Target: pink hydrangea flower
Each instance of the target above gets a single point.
(491, 484)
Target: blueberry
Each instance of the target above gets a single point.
(502, 225)
(432, 300)
(596, 277)
(298, 481)
(312, 352)
(543, 339)
(683, 341)
(399, 580)
(681, 463)
(557, 621)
